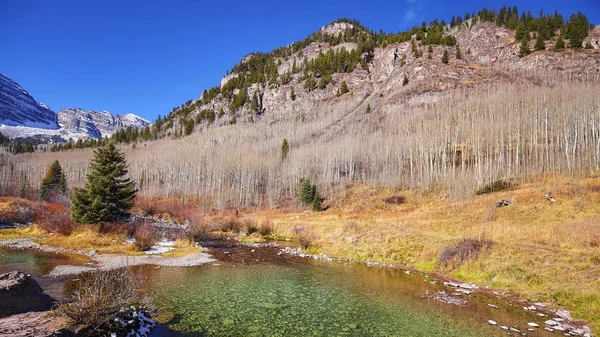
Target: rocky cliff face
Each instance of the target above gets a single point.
(18, 108)
(96, 124)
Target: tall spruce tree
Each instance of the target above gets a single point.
(54, 182)
(108, 194)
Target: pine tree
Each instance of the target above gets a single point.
(54, 182)
(316, 203)
(458, 53)
(189, 127)
(540, 44)
(524, 49)
(108, 194)
(445, 57)
(405, 80)
(560, 43)
(307, 191)
(293, 94)
(368, 108)
(285, 149)
(343, 88)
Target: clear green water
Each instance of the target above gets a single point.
(308, 300)
(292, 298)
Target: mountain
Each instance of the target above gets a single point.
(18, 108)
(22, 117)
(383, 71)
(96, 124)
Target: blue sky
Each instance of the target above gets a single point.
(145, 57)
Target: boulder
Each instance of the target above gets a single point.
(20, 293)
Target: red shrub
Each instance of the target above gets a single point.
(55, 218)
(145, 236)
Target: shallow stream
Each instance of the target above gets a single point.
(255, 292)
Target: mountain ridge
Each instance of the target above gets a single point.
(22, 117)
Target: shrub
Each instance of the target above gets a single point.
(18, 212)
(265, 228)
(199, 229)
(250, 225)
(494, 186)
(395, 200)
(306, 239)
(297, 229)
(465, 249)
(100, 297)
(148, 206)
(144, 236)
(230, 224)
(56, 218)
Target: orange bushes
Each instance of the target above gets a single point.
(55, 218)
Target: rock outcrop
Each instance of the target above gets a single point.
(19, 293)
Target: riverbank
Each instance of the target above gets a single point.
(107, 261)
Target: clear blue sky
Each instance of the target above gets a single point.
(145, 57)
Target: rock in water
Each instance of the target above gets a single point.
(20, 293)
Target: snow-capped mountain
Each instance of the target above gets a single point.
(96, 124)
(18, 108)
(21, 116)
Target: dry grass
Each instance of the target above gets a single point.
(88, 238)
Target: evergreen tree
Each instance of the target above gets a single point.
(293, 94)
(458, 53)
(189, 127)
(285, 149)
(343, 88)
(524, 49)
(560, 43)
(108, 194)
(307, 191)
(316, 203)
(368, 108)
(540, 44)
(445, 57)
(588, 46)
(54, 182)
(405, 80)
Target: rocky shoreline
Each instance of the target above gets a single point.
(107, 261)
